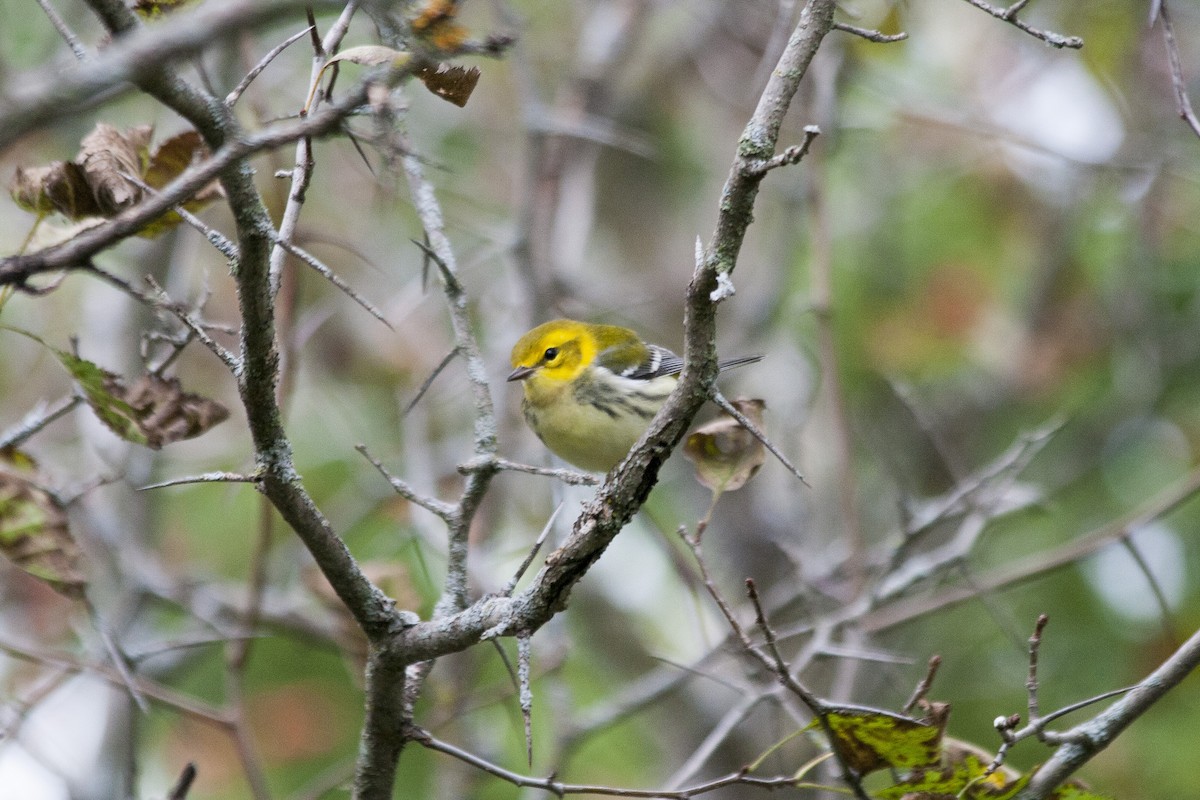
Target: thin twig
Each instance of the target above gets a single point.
(324, 271)
(1009, 15)
(1183, 104)
(870, 35)
(207, 477)
(923, 687)
(1031, 683)
(257, 69)
(559, 788)
(568, 476)
(745, 422)
(446, 511)
(445, 362)
(511, 586)
(792, 155)
(184, 785)
(225, 246)
(1160, 596)
(64, 31)
(524, 656)
(37, 419)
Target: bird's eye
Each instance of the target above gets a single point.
(550, 354)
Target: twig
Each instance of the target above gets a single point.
(1038, 564)
(1088, 738)
(568, 476)
(446, 511)
(511, 586)
(303, 165)
(1183, 105)
(745, 422)
(1160, 597)
(1009, 15)
(445, 362)
(560, 789)
(184, 785)
(207, 477)
(1031, 683)
(923, 687)
(64, 31)
(160, 694)
(524, 656)
(37, 419)
(257, 69)
(328, 274)
(790, 156)
(199, 330)
(870, 35)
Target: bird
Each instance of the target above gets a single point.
(591, 390)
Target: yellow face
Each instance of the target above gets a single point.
(554, 351)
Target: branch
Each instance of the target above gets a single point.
(870, 35)
(1009, 15)
(75, 252)
(42, 96)
(1183, 105)
(626, 487)
(557, 788)
(1089, 738)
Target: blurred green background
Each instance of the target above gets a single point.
(1003, 236)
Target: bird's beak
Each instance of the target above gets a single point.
(521, 373)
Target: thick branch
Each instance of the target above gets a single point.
(383, 730)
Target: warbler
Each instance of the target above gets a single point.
(591, 390)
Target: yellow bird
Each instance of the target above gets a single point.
(591, 390)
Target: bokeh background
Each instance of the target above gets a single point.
(989, 238)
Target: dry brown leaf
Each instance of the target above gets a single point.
(451, 83)
(162, 411)
(727, 455)
(60, 186)
(98, 182)
(107, 156)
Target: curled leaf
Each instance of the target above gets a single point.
(367, 55)
(103, 180)
(34, 535)
(60, 186)
(727, 455)
(106, 157)
(451, 83)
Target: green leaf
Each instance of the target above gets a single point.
(153, 411)
(1073, 790)
(963, 779)
(34, 535)
(869, 739)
